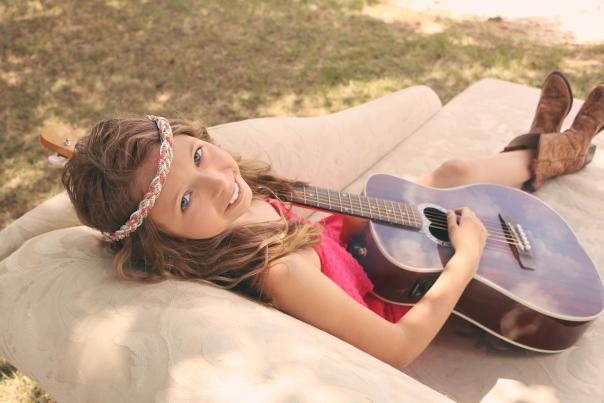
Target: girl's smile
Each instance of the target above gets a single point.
(236, 198)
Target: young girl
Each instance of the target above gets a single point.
(172, 204)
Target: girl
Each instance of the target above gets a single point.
(205, 215)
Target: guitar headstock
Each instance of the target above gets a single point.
(59, 138)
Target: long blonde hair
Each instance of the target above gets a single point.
(98, 179)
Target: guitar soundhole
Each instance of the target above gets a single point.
(438, 223)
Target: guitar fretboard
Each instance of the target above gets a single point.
(387, 211)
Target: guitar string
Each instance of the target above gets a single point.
(489, 237)
(507, 236)
(442, 219)
(495, 233)
(365, 203)
(371, 209)
(501, 244)
(492, 235)
(494, 226)
(495, 245)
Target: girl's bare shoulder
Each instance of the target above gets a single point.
(314, 298)
(303, 259)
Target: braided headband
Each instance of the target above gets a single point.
(156, 185)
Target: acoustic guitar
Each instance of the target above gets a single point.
(535, 286)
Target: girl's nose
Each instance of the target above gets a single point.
(219, 183)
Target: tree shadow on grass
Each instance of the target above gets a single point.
(216, 61)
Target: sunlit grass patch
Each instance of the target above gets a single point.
(19, 388)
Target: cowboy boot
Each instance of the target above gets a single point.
(569, 151)
(554, 104)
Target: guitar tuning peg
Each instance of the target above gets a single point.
(56, 159)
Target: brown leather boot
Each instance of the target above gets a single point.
(554, 104)
(569, 151)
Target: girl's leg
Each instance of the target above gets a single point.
(510, 168)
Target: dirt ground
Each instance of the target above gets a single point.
(545, 21)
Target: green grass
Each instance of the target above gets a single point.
(78, 62)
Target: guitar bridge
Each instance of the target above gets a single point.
(517, 241)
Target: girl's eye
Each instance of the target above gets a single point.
(186, 199)
(184, 202)
(198, 152)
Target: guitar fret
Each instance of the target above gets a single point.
(389, 210)
(394, 212)
(374, 207)
(350, 203)
(412, 215)
(415, 220)
(376, 203)
(399, 209)
(394, 206)
(344, 209)
(360, 204)
(386, 209)
(371, 208)
(406, 210)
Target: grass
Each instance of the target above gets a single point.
(16, 387)
(218, 61)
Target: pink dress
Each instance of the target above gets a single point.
(342, 268)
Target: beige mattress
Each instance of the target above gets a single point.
(85, 336)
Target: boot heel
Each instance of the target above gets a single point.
(590, 154)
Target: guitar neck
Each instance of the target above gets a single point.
(379, 210)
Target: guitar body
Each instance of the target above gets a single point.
(544, 307)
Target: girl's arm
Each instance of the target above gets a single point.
(421, 324)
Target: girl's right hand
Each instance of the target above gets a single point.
(469, 235)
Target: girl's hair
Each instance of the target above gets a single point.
(98, 179)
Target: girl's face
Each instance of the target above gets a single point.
(194, 201)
